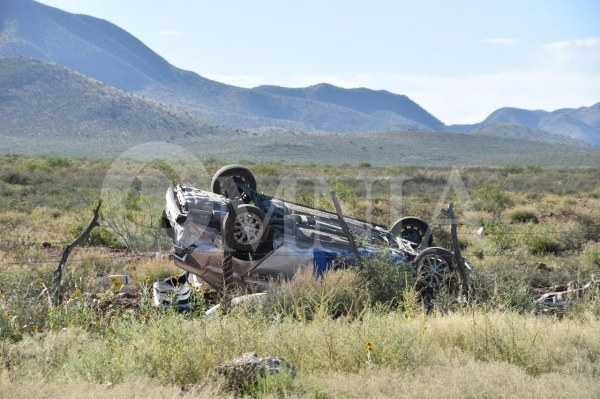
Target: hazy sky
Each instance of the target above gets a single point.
(460, 60)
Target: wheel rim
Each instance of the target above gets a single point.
(248, 229)
(433, 270)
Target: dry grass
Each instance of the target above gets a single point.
(493, 348)
(454, 356)
(466, 379)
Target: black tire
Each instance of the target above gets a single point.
(413, 229)
(434, 268)
(166, 225)
(250, 229)
(237, 174)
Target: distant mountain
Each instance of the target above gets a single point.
(52, 110)
(107, 53)
(49, 102)
(521, 132)
(404, 110)
(515, 116)
(568, 125)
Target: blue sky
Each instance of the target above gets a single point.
(460, 60)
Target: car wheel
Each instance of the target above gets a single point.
(414, 230)
(229, 178)
(250, 228)
(434, 267)
(166, 225)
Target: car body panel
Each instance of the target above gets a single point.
(299, 237)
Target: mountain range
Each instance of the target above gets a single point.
(66, 72)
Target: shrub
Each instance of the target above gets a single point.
(385, 281)
(305, 297)
(105, 238)
(499, 234)
(491, 198)
(539, 245)
(522, 215)
(505, 286)
(591, 255)
(17, 179)
(511, 168)
(590, 226)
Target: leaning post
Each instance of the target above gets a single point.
(58, 295)
(458, 259)
(344, 226)
(228, 229)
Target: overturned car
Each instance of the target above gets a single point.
(269, 238)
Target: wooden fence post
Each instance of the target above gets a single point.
(344, 226)
(227, 229)
(58, 297)
(458, 259)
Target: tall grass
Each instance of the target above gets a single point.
(105, 342)
(172, 350)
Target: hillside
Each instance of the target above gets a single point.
(47, 102)
(101, 50)
(581, 124)
(105, 52)
(49, 109)
(367, 101)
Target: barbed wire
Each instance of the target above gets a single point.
(546, 232)
(123, 255)
(156, 255)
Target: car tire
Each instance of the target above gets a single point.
(166, 225)
(250, 230)
(239, 174)
(434, 268)
(413, 229)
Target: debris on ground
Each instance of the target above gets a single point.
(246, 370)
(557, 299)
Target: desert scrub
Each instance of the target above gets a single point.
(384, 280)
(376, 282)
(537, 345)
(522, 215)
(590, 256)
(492, 198)
(556, 240)
(172, 349)
(505, 284)
(337, 293)
(499, 234)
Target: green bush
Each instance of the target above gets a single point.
(499, 234)
(540, 245)
(590, 226)
(385, 281)
(337, 293)
(591, 255)
(511, 169)
(522, 215)
(506, 286)
(16, 179)
(491, 198)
